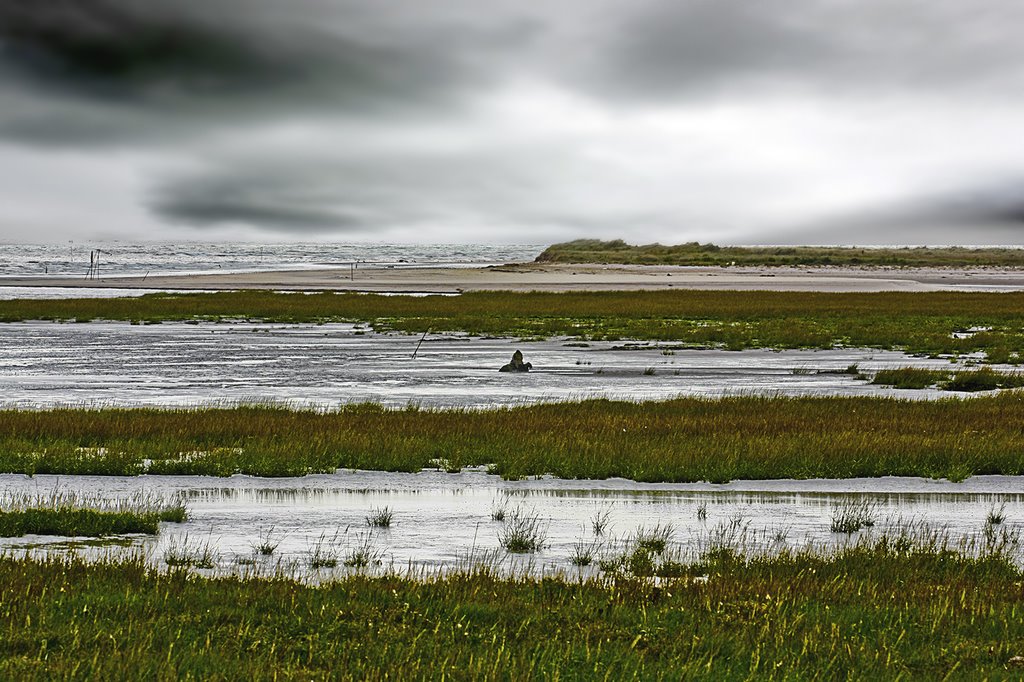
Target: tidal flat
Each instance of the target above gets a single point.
(45, 364)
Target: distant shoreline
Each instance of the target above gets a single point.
(567, 277)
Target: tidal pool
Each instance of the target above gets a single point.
(441, 520)
(46, 364)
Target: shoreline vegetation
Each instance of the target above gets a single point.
(69, 514)
(697, 254)
(964, 381)
(886, 607)
(680, 440)
(931, 323)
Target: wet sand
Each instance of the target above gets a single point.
(565, 277)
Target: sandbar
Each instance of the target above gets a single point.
(564, 277)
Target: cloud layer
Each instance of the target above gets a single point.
(441, 119)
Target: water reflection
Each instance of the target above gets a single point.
(439, 519)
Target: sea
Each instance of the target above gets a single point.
(121, 258)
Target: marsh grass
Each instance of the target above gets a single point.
(324, 552)
(920, 322)
(702, 510)
(69, 514)
(996, 516)
(185, 552)
(267, 542)
(852, 515)
(654, 539)
(523, 532)
(583, 552)
(380, 517)
(686, 439)
(599, 521)
(363, 553)
(983, 379)
(909, 377)
(856, 613)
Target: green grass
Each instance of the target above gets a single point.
(878, 610)
(910, 377)
(965, 381)
(694, 253)
(71, 515)
(686, 439)
(929, 323)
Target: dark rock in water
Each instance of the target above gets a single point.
(517, 364)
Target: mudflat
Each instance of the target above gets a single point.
(567, 277)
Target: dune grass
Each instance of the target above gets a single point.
(929, 323)
(69, 514)
(876, 610)
(686, 439)
(694, 253)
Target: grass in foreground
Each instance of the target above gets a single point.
(686, 439)
(71, 515)
(878, 610)
(694, 253)
(931, 323)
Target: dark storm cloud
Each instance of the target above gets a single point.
(96, 69)
(129, 49)
(93, 70)
(502, 185)
(342, 195)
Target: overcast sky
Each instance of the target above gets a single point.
(733, 121)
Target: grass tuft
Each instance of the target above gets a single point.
(523, 532)
(852, 515)
(380, 518)
(184, 552)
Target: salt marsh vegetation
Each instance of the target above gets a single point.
(70, 513)
(920, 322)
(966, 381)
(687, 439)
(854, 612)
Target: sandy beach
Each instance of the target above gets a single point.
(563, 277)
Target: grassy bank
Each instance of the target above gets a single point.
(917, 322)
(685, 439)
(875, 611)
(71, 515)
(694, 253)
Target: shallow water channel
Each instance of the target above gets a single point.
(45, 364)
(440, 520)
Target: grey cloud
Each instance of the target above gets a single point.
(128, 68)
(149, 68)
(665, 50)
(992, 214)
(520, 186)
